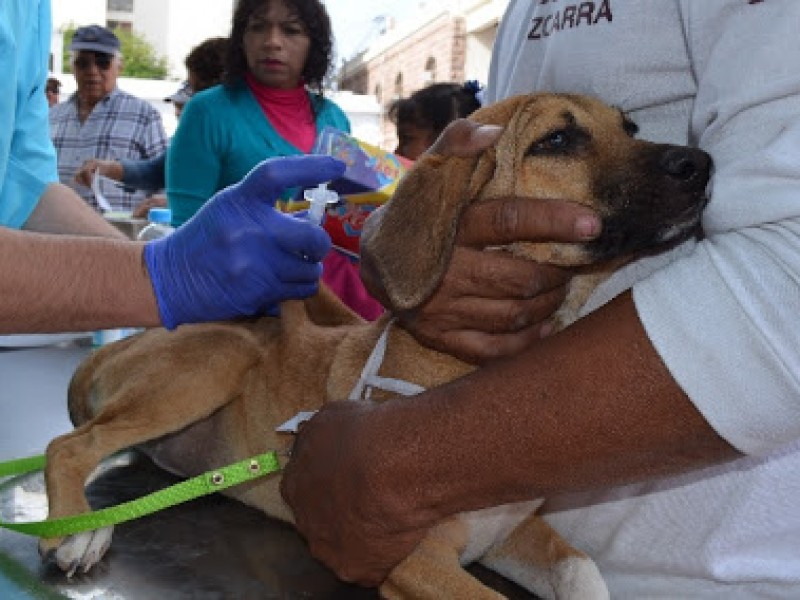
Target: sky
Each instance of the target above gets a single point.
(354, 21)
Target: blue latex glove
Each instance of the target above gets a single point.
(238, 256)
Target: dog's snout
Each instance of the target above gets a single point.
(685, 163)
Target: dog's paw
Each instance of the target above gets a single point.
(578, 578)
(80, 551)
(574, 578)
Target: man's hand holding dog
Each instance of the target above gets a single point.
(490, 304)
(364, 542)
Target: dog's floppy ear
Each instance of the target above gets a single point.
(411, 237)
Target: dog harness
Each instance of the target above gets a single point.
(370, 379)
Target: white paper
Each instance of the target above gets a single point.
(104, 204)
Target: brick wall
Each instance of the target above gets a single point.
(433, 53)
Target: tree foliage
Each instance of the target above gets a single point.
(140, 58)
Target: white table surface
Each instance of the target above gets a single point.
(33, 396)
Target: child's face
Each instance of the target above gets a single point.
(413, 140)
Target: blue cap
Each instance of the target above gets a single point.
(159, 215)
(94, 37)
(182, 96)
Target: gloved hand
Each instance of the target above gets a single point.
(238, 256)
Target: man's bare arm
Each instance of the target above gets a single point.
(72, 283)
(90, 280)
(592, 406)
(60, 210)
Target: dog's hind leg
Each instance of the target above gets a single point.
(157, 394)
(433, 570)
(536, 557)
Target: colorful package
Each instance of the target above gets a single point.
(370, 179)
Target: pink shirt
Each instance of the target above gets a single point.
(340, 273)
(288, 111)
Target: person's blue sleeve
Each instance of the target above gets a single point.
(27, 156)
(147, 174)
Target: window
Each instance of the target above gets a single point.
(398, 86)
(120, 25)
(120, 5)
(429, 75)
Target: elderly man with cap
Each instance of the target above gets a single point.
(204, 66)
(102, 121)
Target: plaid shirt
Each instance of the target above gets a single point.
(120, 126)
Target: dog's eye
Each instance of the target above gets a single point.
(557, 139)
(556, 142)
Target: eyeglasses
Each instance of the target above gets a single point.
(101, 59)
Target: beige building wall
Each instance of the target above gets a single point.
(482, 18)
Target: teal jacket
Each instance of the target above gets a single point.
(221, 135)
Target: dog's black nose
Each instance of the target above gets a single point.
(684, 163)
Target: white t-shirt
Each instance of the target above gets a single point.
(724, 314)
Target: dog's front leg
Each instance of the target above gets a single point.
(151, 397)
(536, 557)
(69, 463)
(433, 570)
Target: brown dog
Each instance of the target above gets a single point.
(210, 394)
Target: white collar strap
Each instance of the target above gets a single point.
(370, 379)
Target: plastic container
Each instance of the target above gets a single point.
(158, 226)
(101, 337)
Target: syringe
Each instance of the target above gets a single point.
(318, 198)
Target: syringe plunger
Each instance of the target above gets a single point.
(319, 197)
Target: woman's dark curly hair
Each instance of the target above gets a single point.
(313, 15)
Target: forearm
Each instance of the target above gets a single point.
(69, 283)
(60, 210)
(531, 411)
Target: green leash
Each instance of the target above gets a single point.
(202, 485)
(21, 466)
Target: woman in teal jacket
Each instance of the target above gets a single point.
(270, 103)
